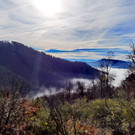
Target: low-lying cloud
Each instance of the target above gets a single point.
(120, 74)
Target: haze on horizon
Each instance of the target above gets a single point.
(69, 24)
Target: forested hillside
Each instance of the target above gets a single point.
(39, 68)
(11, 82)
(98, 109)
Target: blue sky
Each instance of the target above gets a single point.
(69, 24)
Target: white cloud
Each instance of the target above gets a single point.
(81, 24)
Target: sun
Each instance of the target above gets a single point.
(48, 7)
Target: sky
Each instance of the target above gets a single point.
(69, 25)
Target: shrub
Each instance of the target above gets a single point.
(112, 114)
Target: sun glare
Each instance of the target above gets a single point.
(48, 7)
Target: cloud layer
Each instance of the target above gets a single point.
(88, 55)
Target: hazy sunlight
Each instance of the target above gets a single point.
(49, 7)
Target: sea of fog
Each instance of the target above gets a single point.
(120, 74)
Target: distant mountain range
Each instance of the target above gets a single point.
(101, 50)
(95, 64)
(39, 68)
(113, 63)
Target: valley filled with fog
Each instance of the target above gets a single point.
(120, 74)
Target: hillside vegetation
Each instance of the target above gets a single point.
(99, 109)
(39, 68)
(63, 116)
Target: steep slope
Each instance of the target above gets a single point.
(10, 81)
(39, 68)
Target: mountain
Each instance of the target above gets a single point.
(97, 50)
(10, 81)
(39, 68)
(113, 63)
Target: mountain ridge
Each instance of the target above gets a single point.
(39, 68)
(88, 50)
(113, 63)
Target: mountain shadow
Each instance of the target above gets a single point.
(39, 68)
(11, 82)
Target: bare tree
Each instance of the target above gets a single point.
(129, 81)
(80, 89)
(131, 57)
(68, 88)
(106, 77)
